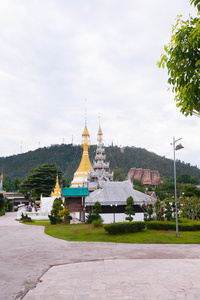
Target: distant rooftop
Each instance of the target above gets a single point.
(146, 176)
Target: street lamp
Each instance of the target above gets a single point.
(178, 147)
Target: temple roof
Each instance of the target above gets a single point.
(116, 193)
(74, 192)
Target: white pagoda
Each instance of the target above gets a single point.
(101, 170)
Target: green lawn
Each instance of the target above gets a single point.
(88, 233)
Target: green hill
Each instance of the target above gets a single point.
(68, 157)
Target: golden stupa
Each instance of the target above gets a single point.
(57, 190)
(80, 176)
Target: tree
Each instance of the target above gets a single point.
(11, 185)
(150, 210)
(119, 175)
(138, 185)
(168, 209)
(190, 207)
(42, 180)
(159, 209)
(33, 196)
(190, 191)
(2, 206)
(186, 178)
(97, 208)
(182, 59)
(10, 206)
(57, 207)
(129, 209)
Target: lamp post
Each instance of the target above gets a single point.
(178, 147)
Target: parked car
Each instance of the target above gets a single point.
(15, 208)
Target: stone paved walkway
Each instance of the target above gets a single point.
(36, 266)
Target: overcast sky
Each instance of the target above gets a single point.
(54, 54)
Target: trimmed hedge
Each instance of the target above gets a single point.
(164, 225)
(161, 225)
(189, 227)
(124, 227)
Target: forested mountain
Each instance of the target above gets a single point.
(68, 157)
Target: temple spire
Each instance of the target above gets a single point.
(101, 168)
(100, 134)
(80, 176)
(57, 190)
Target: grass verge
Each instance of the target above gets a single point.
(89, 233)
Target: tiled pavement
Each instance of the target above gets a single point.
(36, 266)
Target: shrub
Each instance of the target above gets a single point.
(57, 206)
(183, 226)
(124, 227)
(10, 206)
(92, 217)
(97, 223)
(25, 218)
(97, 208)
(189, 227)
(2, 204)
(65, 214)
(161, 225)
(129, 209)
(2, 213)
(54, 219)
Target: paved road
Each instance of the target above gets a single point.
(36, 266)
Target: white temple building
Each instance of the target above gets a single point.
(112, 196)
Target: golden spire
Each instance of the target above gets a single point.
(57, 190)
(85, 132)
(100, 134)
(80, 176)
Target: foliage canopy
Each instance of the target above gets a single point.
(41, 180)
(182, 59)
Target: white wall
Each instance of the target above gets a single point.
(119, 217)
